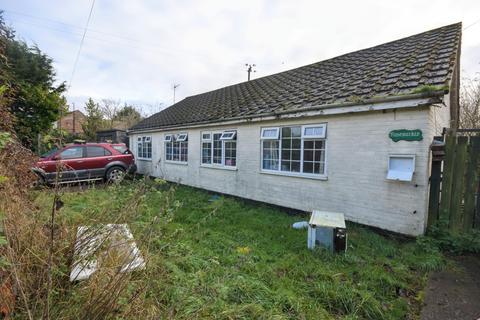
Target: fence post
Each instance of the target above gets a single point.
(450, 141)
(458, 185)
(434, 194)
(471, 183)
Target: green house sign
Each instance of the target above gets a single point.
(407, 135)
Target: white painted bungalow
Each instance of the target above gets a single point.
(350, 134)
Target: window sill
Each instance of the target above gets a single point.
(295, 175)
(177, 162)
(209, 166)
(145, 159)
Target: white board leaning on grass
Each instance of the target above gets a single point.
(95, 242)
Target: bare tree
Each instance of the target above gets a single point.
(110, 109)
(470, 103)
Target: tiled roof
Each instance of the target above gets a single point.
(391, 69)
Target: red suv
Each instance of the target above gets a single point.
(84, 162)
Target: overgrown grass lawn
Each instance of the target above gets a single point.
(229, 258)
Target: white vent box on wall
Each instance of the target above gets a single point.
(327, 229)
(401, 167)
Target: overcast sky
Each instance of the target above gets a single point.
(136, 50)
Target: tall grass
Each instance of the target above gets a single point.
(37, 241)
(230, 259)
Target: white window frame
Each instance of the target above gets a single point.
(276, 137)
(168, 138)
(209, 136)
(321, 136)
(175, 138)
(300, 174)
(228, 137)
(141, 140)
(405, 156)
(182, 137)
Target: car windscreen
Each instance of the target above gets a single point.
(49, 153)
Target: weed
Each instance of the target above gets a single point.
(439, 238)
(236, 259)
(427, 89)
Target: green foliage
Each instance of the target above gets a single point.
(56, 138)
(128, 115)
(5, 138)
(440, 239)
(94, 120)
(34, 100)
(233, 259)
(429, 89)
(35, 109)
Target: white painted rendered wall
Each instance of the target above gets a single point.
(357, 154)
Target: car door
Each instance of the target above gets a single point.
(96, 159)
(73, 163)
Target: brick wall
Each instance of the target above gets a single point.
(72, 122)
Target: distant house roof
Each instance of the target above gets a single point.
(77, 112)
(395, 68)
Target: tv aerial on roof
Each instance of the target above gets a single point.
(250, 69)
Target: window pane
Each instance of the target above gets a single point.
(296, 143)
(320, 168)
(217, 148)
(230, 153)
(270, 154)
(295, 166)
(145, 147)
(308, 155)
(72, 153)
(314, 131)
(182, 137)
(184, 151)
(207, 152)
(93, 151)
(139, 149)
(168, 151)
(296, 155)
(270, 133)
(296, 131)
(176, 151)
(319, 144)
(286, 132)
(228, 135)
(308, 144)
(291, 146)
(121, 149)
(313, 157)
(308, 167)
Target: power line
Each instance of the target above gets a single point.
(150, 44)
(70, 25)
(472, 24)
(81, 45)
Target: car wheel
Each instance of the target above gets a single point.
(115, 174)
(39, 182)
